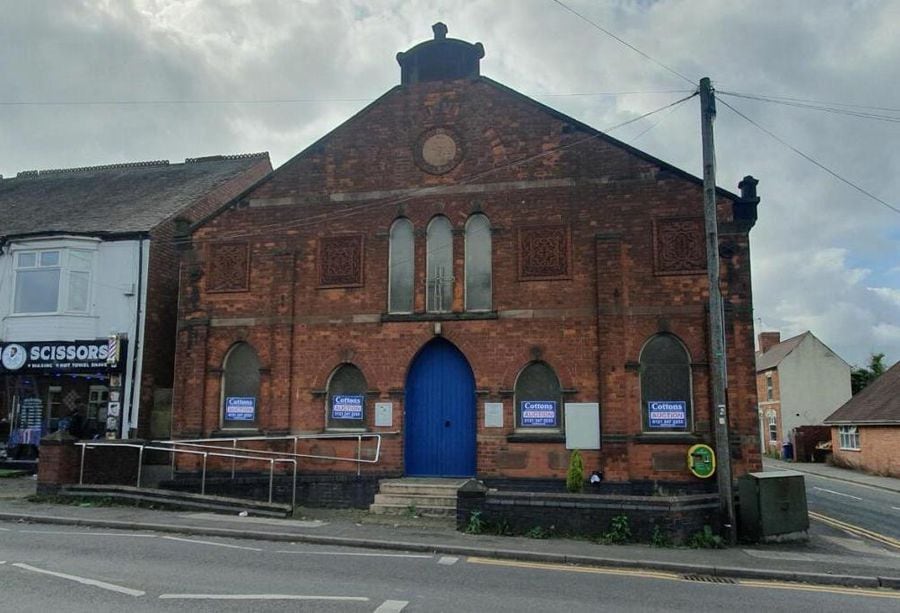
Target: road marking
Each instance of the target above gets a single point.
(875, 536)
(392, 606)
(448, 560)
(4, 529)
(351, 553)
(146, 536)
(175, 538)
(896, 508)
(848, 591)
(596, 570)
(92, 582)
(822, 489)
(259, 597)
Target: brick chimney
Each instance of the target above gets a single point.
(767, 340)
(440, 59)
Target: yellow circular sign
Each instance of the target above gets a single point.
(701, 461)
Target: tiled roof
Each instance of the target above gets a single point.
(776, 353)
(119, 198)
(877, 403)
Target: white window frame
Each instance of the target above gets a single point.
(848, 438)
(769, 388)
(67, 265)
(772, 426)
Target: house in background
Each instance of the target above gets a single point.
(865, 431)
(800, 382)
(89, 284)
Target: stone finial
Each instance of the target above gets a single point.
(748, 188)
(440, 31)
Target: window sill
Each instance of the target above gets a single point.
(235, 432)
(460, 316)
(536, 437)
(668, 438)
(856, 449)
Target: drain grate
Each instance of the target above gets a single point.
(708, 579)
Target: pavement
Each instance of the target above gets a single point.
(833, 472)
(821, 560)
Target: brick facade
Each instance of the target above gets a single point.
(595, 250)
(877, 451)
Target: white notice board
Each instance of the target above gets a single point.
(582, 425)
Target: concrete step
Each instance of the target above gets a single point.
(427, 487)
(178, 500)
(419, 500)
(403, 509)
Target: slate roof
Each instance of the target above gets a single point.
(877, 403)
(115, 199)
(776, 353)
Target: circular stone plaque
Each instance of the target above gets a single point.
(438, 151)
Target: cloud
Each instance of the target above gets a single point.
(824, 255)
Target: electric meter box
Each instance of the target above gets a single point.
(773, 506)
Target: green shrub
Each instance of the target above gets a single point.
(575, 474)
(537, 533)
(619, 531)
(659, 538)
(476, 524)
(706, 539)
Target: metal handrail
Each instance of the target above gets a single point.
(206, 454)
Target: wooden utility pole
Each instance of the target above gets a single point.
(716, 312)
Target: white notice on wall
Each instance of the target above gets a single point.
(493, 414)
(384, 414)
(582, 425)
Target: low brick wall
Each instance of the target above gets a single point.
(677, 517)
(327, 490)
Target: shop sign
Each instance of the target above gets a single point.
(538, 413)
(347, 407)
(667, 414)
(46, 357)
(240, 408)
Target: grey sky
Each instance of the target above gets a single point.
(273, 75)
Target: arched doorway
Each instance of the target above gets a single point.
(440, 413)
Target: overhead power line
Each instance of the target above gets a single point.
(810, 159)
(624, 42)
(816, 107)
(819, 102)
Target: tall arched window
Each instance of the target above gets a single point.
(666, 399)
(401, 263)
(346, 403)
(240, 388)
(439, 265)
(478, 263)
(538, 398)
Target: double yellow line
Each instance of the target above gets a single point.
(856, 530)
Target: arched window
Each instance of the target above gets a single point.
(401, 267)
(478, 263)
(439, 265)
(346, 404)
(240, 388)
(666, 399)
(538, 398)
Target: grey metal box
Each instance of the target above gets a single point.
(773, 504)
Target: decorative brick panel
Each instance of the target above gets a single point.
(229, 267)
(679, 247)
(544, 253)
(341, 261)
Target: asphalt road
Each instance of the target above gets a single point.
(74, 569)
(869, 508)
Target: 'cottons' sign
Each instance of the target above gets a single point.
(42, 357)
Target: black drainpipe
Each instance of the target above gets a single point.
(138, 334)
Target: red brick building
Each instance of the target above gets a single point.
(471, 261)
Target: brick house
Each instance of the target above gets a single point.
(865, 431)
(455, 267)
(799, 382)
(90, 270)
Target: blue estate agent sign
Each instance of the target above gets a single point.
(540, 413)
(667, 414)
(238, 408)
(347, 407)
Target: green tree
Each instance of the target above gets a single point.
(861, 376)
(575, 474)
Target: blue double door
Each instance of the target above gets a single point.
(440, 413)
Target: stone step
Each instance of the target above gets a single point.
(427, 487)
(403, 509)
(178, 500)
(418, 500)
